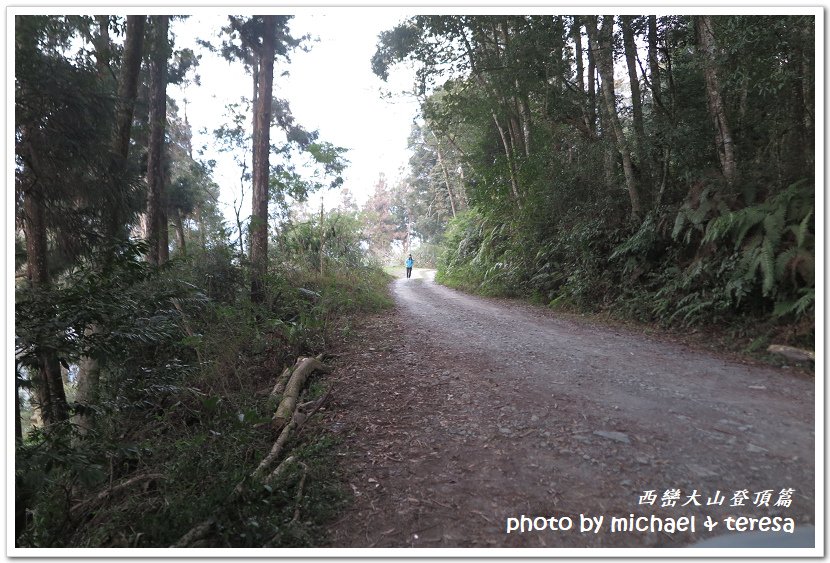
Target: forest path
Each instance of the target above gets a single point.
(457, 412)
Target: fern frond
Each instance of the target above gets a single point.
(803, 227)
(679, 221)
(748, 218)
(783, 262)
(774, 225)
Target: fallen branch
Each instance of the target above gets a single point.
(299, 496)
(303, 369)
(277, 473)
(792, 353)
(298, 419)
(298, 415)
(117, 489)
(196, 533)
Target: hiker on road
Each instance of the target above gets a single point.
(409, 263)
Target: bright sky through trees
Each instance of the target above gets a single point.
(330, 88)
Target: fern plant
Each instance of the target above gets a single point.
(775, 243)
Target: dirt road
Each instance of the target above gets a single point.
(457, 413)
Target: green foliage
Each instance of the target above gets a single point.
(181, 369)
(550, 201)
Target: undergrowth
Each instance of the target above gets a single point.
(745, 270)
(183, 414)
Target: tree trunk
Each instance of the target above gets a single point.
(795, 166)
(50, 396)
(444, 170)
(576, 32)
(18, 427)
(609, 139)
(724, 143)
(261, 149)
(158, 122)
(525, 118)
(508, 151)
(654, 63)
(127, 92)
(603, 40)
(164, 221)
(642, 145)
(102, 47)
(180, 241)
(592, 83)
(88, 378)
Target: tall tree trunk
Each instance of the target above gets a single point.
(641, 144)
(795, 166)
(180, 240)
(444, 171)
(127, 92)
(158, 124)
(89, 371)
(525, 117)
(592, 83)
(18, 426)
(724, 142)
(262, 143)
(609, 152)
(603, 40)
(202, 236)
(508, 152)
(164, 221)
(255, 65)
(660, 113)
(654, 63)
(101, 42)
(576, 32)
(50, 396)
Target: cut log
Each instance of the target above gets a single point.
(303, 369)
(279, 387)
(792, 353)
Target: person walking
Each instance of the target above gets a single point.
(409, 263)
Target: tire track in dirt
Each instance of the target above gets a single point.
(457, 412)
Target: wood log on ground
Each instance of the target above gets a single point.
(303, 369)
(796, 354)
(277, 473)
(196, 533)
(299, 496)
(298, 419)
(279, 386)
(297, 376)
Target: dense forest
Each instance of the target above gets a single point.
(661, 168)
(657, 168)
(145, 324)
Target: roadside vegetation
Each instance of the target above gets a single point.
(680, 193)
(148, 332)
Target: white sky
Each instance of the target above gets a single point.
(330, 88)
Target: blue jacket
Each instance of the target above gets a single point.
(409, 262)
